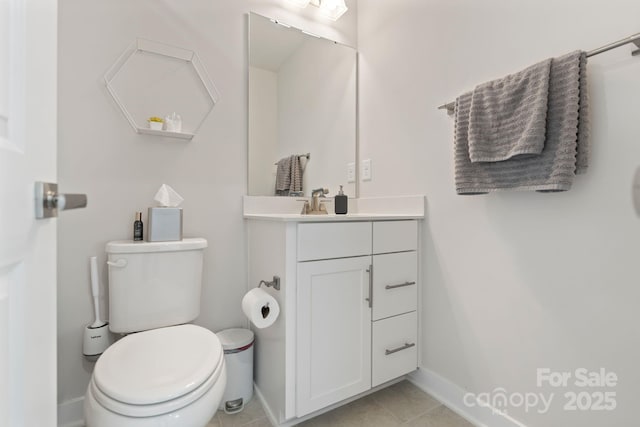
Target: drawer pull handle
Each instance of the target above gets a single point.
(401, 285)
(395, 350)
(370, 299)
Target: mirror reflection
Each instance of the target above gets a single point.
(302, 111)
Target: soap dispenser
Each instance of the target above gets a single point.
(340, 202)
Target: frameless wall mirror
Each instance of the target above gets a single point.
(302, 102)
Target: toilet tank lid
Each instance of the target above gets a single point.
(129, 246)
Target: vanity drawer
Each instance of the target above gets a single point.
(334, 240)
(395, 236)
(395, 289)
(394, 347)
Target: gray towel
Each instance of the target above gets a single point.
(584, 120)
(566, 146)
(508, 116)
(288, 176)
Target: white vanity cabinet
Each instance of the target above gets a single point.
(348, 297)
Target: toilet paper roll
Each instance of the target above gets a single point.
(261, 308)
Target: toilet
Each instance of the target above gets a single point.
(165, 371)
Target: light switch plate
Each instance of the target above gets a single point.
(351, 172)
(366, 170)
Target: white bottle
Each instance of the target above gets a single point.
(173, 122)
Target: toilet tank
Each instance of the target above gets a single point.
(154, 284)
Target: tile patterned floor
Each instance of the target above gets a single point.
(402, 404)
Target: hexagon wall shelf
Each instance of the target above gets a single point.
(155, 79)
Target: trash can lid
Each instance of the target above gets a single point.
(235, 338)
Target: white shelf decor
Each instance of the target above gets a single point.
(155, 79)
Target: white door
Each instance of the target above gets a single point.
(28, 42)
(333, 332)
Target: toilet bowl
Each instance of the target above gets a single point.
(172, 377)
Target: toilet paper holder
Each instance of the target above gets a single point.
(275, 283)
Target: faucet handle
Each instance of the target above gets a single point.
(306, 207)
(320, 192)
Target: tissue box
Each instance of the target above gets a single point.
(165, 224)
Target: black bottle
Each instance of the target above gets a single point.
(137, 228)
(340, 202)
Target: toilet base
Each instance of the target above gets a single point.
(196, 414)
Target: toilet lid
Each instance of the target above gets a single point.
(158, 365)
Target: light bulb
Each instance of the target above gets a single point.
(299, 3)
(333, 9)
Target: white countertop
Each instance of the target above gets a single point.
(331, 217)
(364, 209)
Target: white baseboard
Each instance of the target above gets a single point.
(452, 396)
(71, 413)
(267, 409)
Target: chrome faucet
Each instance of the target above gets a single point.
(316, 206)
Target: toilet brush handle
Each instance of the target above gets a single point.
(95, 291)
(94, 277)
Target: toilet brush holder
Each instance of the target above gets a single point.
(96, 340)
(96, 335)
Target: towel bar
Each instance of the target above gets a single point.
(635, 39)
(308, 156)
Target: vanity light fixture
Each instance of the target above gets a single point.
(332, 9)
(299, 3)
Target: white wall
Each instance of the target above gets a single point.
(99, 154)
(513, 281)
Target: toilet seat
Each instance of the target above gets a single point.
(157, 371)
(138, 411)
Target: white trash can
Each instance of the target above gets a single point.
(238, 355)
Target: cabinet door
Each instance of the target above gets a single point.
(333, 332)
